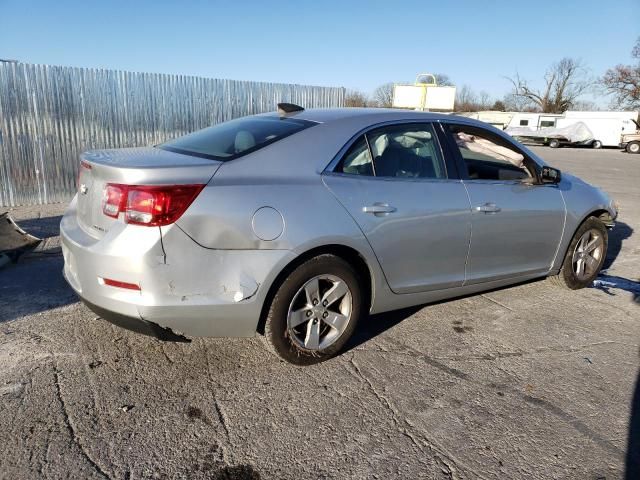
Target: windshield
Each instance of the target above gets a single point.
(235, 138)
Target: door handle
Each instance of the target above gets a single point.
(488, 208)
(379, 209)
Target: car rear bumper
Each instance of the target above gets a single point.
(135, 324)
(190, 290)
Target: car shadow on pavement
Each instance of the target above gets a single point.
(375, 325)
(32, 285)
(617, 236)
(41, 227)
(35, 283)
(632, 467)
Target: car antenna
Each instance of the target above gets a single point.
(284, 108)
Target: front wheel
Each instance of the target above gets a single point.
(315, 311)
(554, 143)
(585, 255)
(633, 147)
(596, 144)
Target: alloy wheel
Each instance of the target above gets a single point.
(319, 312)
(587, 254)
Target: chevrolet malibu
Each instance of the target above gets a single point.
(297, 224)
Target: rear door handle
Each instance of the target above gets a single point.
(488, 208)
(379, 209)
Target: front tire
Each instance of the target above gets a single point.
(315, 311)
(596, 144)
(633, 147)
(554, 143)
(585, 255)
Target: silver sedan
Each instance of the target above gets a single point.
(298, 224)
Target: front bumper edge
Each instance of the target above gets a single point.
(137, 325)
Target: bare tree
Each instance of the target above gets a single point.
(354, 98)
(623, 81)
(466, 99)
(484, 101)
(443, 80)
(499, 106)
(383, 95)
(586, 106)
(564, 82)
(515, 103)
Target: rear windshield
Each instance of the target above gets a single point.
(235, 138)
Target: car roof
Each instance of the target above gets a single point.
(328, 115)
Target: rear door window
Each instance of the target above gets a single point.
(357, 160)
(408, 151)
(235, 138)
(404, 151)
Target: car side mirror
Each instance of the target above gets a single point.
(550, 175)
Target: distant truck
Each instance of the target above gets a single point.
(631, 141)
(424, 94)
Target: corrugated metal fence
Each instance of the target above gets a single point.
(49, 115)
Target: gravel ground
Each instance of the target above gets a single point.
(526, 382)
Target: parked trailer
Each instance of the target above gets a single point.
(498, 119)
(607, 127)
(593, 129)
(533, 121)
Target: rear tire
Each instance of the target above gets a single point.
(585, 256)
(315, 311)
(633, 147)
(554, 143)
(596, 144)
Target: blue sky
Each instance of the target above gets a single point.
(358, 45)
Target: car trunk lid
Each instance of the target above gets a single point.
(132, 166)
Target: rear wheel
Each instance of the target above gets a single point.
(585, 255)
(315, 311)
(554, 143)
(633, 147)
(596, 144)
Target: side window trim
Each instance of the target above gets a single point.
(335, 163)
(462, 167)
(373, 162)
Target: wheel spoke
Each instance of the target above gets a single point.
(593, 244)
(335, 293)
(576, 256)
(580, 267)
(583, 241)
(337, 321)
(312, 291)
(591, 262)
(298, 317)
(312, 339)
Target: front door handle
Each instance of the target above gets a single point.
(488, 208)
(379, 209)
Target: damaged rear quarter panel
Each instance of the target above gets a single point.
(210, 292)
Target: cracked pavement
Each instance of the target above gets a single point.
(525, 382)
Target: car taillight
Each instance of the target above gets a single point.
(151, 205)
(114, 199)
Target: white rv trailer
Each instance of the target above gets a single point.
(498, 119)
(533, 121)
(605, 128)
